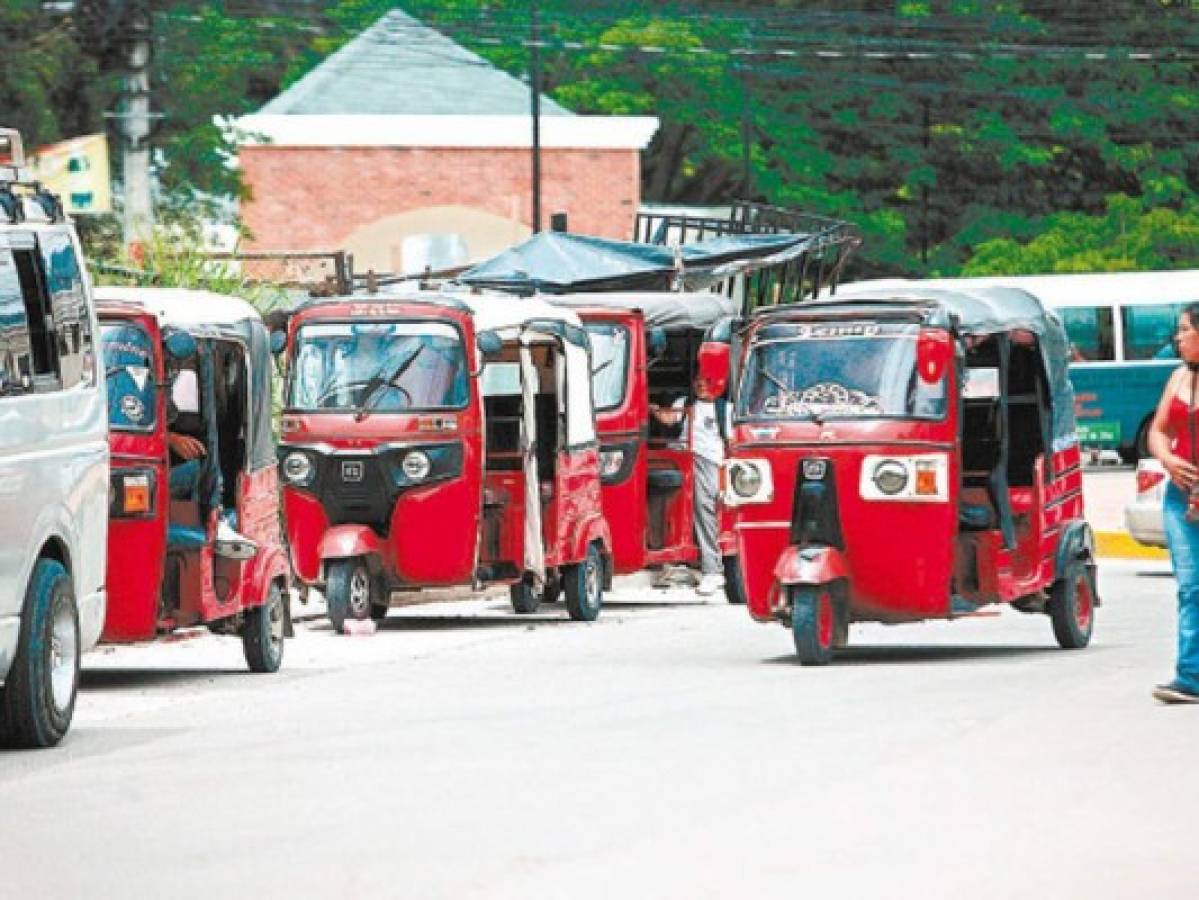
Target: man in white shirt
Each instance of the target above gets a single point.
(706, 438)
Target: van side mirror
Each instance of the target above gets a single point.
(278, 342)
(489, 343)
(180, 346)
(713, 363)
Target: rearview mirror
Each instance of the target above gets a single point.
(714, 366)
(180, 346)
(934, 350)
(278, 342)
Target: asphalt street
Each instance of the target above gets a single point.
(672, 749)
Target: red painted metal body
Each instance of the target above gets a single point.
(210, 588)
(899, 560)
(458, 529)
(655, 515)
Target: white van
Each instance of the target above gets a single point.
(53, 462)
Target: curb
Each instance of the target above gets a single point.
(1122, 545)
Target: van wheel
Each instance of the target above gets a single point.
(813, 623)
(1072, 607)
(524, 598)
(734, 590)
(263, 632)
(584, 585)
(349, 592)
(38, 699)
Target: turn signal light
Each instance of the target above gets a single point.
(137, 494)
(926, 481)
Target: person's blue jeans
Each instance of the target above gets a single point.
(185, 479)
(1183, 539)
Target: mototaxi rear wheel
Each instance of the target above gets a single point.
(734, 587)
(584, 586)
(1072, 602)
(263, 632)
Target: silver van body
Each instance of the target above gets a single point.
(54, 477)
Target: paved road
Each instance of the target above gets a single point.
(672, 749)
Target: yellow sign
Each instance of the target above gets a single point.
(76, 170)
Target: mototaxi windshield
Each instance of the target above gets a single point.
(837, 371)
(383, 366)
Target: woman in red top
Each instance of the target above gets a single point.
(1172, 439)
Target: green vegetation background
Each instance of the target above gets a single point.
(963, 137)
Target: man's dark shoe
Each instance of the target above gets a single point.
(1172, 693)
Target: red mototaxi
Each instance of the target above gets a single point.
(901, 455)
(166, 567)
(473, 459)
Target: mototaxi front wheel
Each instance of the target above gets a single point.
(734, 587)
(349, 591)
(813, 623)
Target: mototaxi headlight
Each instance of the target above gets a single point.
(890, 476)
(416, 466)
(746, 479)
(610, 462)
(298, 468)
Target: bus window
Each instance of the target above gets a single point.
(1149, 330)
(1091, 333)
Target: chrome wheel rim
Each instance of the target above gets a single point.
(64, 656)
(593, 581)
(360, 593)
(274, 612)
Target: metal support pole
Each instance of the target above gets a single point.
(535, 110)
(135, 124)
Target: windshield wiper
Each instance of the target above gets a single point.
(375, 385)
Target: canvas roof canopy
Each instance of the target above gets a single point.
(672, 310)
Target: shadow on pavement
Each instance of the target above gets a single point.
(921, 653)
(123, 679)
(455, 623)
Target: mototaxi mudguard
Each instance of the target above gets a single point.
(588, 530)
(814, 564)
(266, 568)
(346, 541)
(1076, 546)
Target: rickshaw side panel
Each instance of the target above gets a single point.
(258, 519)
(580, 517)
(438, 527)
(136, 553)
(306, 522)
(624, 502)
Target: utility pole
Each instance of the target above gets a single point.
(535, 110)
(135, 126)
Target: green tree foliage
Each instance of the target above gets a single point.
(960, 135)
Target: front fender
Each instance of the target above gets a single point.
(588, 530)
(1076, 544)
(810, 565)
(344, 541)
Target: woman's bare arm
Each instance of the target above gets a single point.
(1182, 472)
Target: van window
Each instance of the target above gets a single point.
(68, 305)
(44, 353)
(16, 352)
(1091, 330)
(1149, 330)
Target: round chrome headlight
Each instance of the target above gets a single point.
(890, 476)
(747, 480)
(416, 466)
(297, 468)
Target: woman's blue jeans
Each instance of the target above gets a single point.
(1183, 538)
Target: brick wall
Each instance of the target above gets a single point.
(311, 198)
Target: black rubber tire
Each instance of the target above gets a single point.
(30, 717)
(813, 623)
(262, 634)
(734, 587)
(525, 599)
(1072, 602)
(344, 578)
(584, 586)
(379, 611)
(553, 588)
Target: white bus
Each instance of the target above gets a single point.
(1121, 328)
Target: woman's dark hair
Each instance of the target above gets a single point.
(1191, 311)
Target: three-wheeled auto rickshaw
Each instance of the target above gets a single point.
(644, 347)
(194, 535)
(432, 440)
(906, 454)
